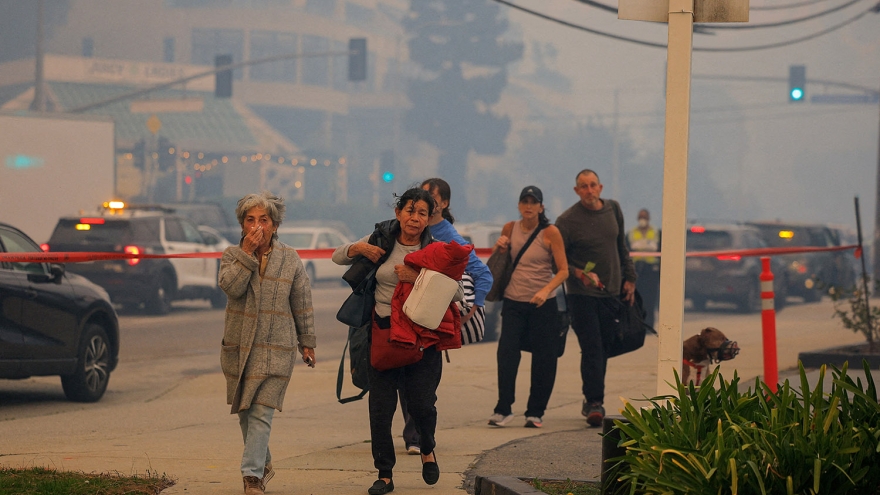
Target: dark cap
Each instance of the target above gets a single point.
(532, 191)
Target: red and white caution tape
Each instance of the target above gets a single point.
(77, 257)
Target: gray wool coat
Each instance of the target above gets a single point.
(265, 320)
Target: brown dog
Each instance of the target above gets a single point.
(710, 345)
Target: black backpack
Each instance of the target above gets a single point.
(358, 347)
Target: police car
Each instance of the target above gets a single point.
(149, 284)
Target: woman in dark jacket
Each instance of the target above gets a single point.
(386, 248)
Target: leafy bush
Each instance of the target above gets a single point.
(723, 441)
(850, 306)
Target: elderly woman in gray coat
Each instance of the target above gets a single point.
(268, 313)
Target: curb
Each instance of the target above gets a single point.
(503, 485)
(509, 485)
(835, 356)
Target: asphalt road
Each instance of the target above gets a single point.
(158, 353)
(153, 352)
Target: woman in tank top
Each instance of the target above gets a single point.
(529, 316)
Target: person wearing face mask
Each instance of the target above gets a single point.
(645, 238)
(269, 316)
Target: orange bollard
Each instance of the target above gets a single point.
(768, 324)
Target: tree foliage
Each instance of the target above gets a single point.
(460, 48)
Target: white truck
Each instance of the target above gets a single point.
(53, 165)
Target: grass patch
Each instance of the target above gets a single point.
(43, 481)
(566, 487)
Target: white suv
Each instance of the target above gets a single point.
(133, 283)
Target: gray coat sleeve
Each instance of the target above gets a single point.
(236, 269)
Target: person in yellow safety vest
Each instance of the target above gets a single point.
(645, 238)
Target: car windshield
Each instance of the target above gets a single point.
(709, 240)
(302, 240)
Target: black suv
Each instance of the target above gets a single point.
(728, 278)
(151, 283)
(54, 323)
(810, 275)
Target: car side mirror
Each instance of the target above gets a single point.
(56, 274)
(56, 271)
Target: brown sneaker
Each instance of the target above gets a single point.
(252, 485)
(268, 474)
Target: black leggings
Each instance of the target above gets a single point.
(419, 381)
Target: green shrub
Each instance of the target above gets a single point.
(718, 440)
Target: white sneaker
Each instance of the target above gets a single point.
(533, 422)
(500, 419)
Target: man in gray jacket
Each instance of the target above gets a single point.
(599, 267)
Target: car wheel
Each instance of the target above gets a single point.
(162, 296)
(89, 381)
(699, 303)
(751, 300)
(218, 299)
(310, 271)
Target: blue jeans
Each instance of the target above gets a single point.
(256, 423)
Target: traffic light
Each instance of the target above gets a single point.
(223, 78)
(797, 82)
(386, 162)
(357, 59)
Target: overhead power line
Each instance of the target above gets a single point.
(779, 44)
(787, 6)
(782, 23)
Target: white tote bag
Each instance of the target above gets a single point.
(430, 298)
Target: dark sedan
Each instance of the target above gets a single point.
(54, 323)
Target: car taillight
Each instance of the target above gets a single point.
(133, 250)
(729, 257)
(44, 246)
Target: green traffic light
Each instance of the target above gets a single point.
(388, 176)
(797, 93)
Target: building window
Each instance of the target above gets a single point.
(271, 43)
(168, 49)
(315, 70)
(324, 8)
(88, 47)
(208, 43)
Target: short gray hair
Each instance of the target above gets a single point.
(274, 206)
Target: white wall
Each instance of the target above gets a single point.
(52, 166)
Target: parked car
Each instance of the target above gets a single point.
(208, 214)
(214, 239)
(151, 283)
(309, 237)
(53, 322)
(810, 275)
(729, 277)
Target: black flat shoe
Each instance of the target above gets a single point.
(381, 488)
(431, 471)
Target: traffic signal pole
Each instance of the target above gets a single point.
(229, 67)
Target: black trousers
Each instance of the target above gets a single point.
(419, 382)
(589, 315)
(538, 327)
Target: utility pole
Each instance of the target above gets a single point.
(680, 16)
(39, 103)
(876, 244)
(615, 149)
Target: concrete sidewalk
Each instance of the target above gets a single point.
(320, 446)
